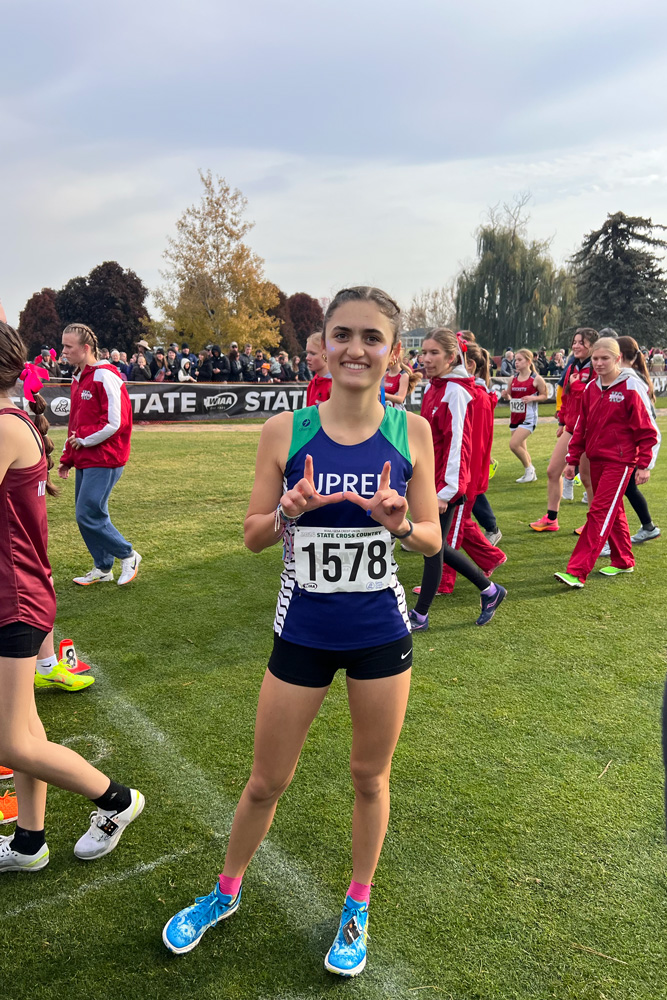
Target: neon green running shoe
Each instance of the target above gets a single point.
(493, 468)
(60, 677)
(570, 579)
(616, 570)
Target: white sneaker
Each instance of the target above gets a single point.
(106, 829)
(568, 489)
(529, 476)
(584, 498)
(12, 861)
(95, 575)
(645, 536)
(493, 536)
(606, 549)
(129, 568)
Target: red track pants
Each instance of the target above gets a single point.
(466, 534)
(606, 521)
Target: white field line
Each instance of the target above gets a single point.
(271, 863)
(99, 883)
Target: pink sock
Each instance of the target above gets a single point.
(230, 886)
(360, 892)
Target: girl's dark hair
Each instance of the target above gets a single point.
(367, 293)
(588, 334)
(13, 356)
(481, 358)
(630, 352)
(233, 354)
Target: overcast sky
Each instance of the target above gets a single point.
(369, 138)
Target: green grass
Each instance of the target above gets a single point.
(503, 827)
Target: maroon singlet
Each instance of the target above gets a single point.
(26, 585)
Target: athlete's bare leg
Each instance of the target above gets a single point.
(47, 649)
(284, 716)
(518, 439)
(555, 471)
(24, 748)
(377, 708)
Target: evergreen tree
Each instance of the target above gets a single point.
(620, 279)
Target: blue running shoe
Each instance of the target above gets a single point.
(347, 955)
(185, 930)
(490, 604)
(418, 623)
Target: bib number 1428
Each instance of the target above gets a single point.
(328, 560)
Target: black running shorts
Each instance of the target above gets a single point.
(315, 668)
(20, 641)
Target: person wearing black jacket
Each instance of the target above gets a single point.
(286, 370)
(247, 363)
(542, 362)
(235, 371)
(141, 371)
(204, 372)
(219, 365)
(173, 366)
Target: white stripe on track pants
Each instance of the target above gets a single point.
(606, 521)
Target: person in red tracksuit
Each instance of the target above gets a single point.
(617, 431)
(98, 446)
(577, 376)
(447, 405)
(319, 387)
(470, 538)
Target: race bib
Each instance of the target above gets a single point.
(331, 560)
(517, 405)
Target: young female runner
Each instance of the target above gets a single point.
(577, 376)
(525, 391)
(470, 538)
(617, 431)
(447, 405)
(399, 382)
(319, 387)
(632, 357)
(27, 612)
(331, 484)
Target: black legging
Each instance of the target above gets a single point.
(638, 502)
(432, 574)
(483, 513)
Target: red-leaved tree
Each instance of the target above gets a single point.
(39, 322)
(306, 315)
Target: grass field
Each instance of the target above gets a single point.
(525, 856)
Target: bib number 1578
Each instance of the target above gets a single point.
(328, 560)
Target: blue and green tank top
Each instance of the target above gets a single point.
(338, 588)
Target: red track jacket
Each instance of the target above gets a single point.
(447, 405)
(616, 424)
(576, 379)
(484, 406)
(101, 417)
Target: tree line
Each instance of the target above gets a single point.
(512, 294)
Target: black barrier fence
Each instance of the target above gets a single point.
(159, 401)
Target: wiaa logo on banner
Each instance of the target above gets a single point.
(60, 405)
(223, 401)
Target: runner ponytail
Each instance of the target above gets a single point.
(481, 358)
(13, 358)
(630, 352)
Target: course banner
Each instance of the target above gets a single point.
(155, 401)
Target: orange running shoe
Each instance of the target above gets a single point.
(9, 808)
(577, 531)
(5, 772)
(544, 524)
